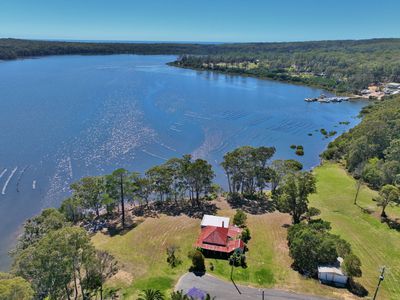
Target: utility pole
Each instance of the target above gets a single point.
(381, 277)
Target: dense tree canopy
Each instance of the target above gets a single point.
(37, 227)
(293, 194)
(64, 263)
(14, 288)
(371, 149)
(311, 245)
(388, 194)
(335, 65)
(246, 168)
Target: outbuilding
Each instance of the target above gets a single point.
(216, 221)
(333, 274)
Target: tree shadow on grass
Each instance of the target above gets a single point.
(172, 208)
(254, 206)
(356, 288)
(114, 229)
(365, 210)
(392, 223)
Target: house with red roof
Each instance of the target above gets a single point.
(222, 239)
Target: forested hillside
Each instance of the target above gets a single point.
(343, 66)
(372, 148)
(14, 48)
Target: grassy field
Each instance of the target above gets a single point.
(268, 258)
(142, 251)
(372, 241)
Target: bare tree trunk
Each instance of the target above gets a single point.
(122, 202)
(75, 286)
(383, 213)
(197, 198)
(67, 292)
(229, 183)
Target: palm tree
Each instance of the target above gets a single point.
(151, 294)
(179, 295)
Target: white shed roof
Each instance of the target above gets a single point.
(217, 221)
(332, 270)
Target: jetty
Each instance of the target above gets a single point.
(324, 99)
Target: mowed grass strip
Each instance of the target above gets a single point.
(374, 242)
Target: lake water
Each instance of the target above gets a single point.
(65, 117)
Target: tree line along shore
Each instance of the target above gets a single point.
(347, 66)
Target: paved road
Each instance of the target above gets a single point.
(226, 290)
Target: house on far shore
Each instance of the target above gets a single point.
(333, 274)
(218, 237)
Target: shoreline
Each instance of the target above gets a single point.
(233, 73)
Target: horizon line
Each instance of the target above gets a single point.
(190, 41)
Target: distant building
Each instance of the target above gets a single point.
(217, 236)
(393, 85)
(365, 92)
(333, 274)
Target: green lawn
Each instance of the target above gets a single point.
(268, 260)
(372, 241)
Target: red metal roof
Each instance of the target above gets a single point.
(214, 235)
(219, 239)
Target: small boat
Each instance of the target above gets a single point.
(311, 99)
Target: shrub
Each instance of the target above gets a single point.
(292, 146)
(352, 266)
(343, 248)
(240, 218)
(197, 261)
(245, 236)
(179, 295)
(299, 152)
(211, 266)
(332, 133)
(312, 212)
(237, 259)
(172, 258)
(151, 294)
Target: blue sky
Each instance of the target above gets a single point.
(201, 20)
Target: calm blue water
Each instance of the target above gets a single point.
(65, 117)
